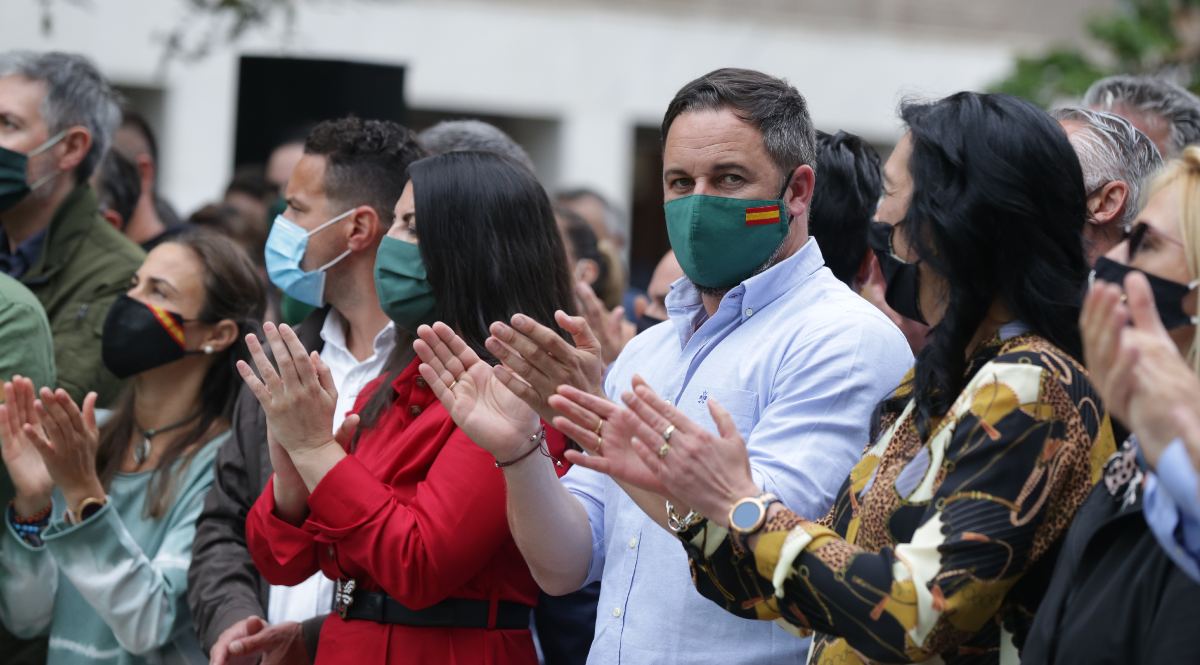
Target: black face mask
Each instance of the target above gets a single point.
(138, 337)
(1168, 294)
(645, 322)
(903, 292)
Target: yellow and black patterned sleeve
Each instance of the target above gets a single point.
(995, 485)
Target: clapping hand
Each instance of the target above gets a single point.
(707, 473)
(536, 360)
(472, 391)
(612, 331)
(67, 439)
(299, 399)
(29, 475)
(606, 432)
(1137, 368)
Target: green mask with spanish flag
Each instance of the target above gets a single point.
(721, 241)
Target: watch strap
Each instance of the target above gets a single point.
(764, 502)
(86, 508)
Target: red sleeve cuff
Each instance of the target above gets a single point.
(275, 545)
(346, 498)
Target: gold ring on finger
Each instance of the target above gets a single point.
(663, 450)
(666, 435)
(452, 384)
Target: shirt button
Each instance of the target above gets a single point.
(330, 551)
(421, 382)
(616, 612)
(749, 311)
(415, 410)
(632, 543)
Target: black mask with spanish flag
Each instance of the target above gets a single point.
(138, 337)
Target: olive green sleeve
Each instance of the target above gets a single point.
(26, 347)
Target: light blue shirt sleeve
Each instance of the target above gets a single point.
(28, 582)
(140, 598)
(817, 421)
(588, 487)
(1171, 505)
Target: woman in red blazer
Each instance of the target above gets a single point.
(401, 508)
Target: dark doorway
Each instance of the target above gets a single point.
(279, 99)
(648, 234)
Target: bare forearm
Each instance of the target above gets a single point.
(292, 489)
(312, 464)
(30, 503)
(291, 500)
(549, 525)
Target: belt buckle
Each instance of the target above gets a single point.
(343, 596)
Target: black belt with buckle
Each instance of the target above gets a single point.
(376, 606)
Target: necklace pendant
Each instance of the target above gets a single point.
(141, 452)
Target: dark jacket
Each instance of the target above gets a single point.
(84, 265)
(1114, 596)
(224, 587)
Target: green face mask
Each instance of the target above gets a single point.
(721, 241)
(401, 284)
(13, 168)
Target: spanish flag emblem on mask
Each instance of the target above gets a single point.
(763, 216)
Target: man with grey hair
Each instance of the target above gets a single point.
(1162, 110)
(1116, 159)
(472, 135)
(57, 118)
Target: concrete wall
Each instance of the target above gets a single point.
(588, 72)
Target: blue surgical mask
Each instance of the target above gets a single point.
(286, 246)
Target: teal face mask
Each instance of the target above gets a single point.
(13, 173)
(721, 241)
(402, 284)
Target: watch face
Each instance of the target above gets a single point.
(746, 515)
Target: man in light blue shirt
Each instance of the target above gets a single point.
(800, 362)
(759, 324)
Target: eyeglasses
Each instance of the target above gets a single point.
(1142, 236)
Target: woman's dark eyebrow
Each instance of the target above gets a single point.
(160, 282)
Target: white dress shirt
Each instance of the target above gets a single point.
(314, 596)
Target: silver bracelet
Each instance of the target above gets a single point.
(679, 524)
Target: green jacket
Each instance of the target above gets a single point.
(25, 349)
(85, 264)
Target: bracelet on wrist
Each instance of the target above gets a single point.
(539, 442)
(39, 517)
(679, 524)
(29, 528)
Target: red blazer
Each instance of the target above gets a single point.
(418, 511)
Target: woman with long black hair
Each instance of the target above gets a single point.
(406, 513)
(939, 543)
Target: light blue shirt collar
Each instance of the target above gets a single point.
(685, 307)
